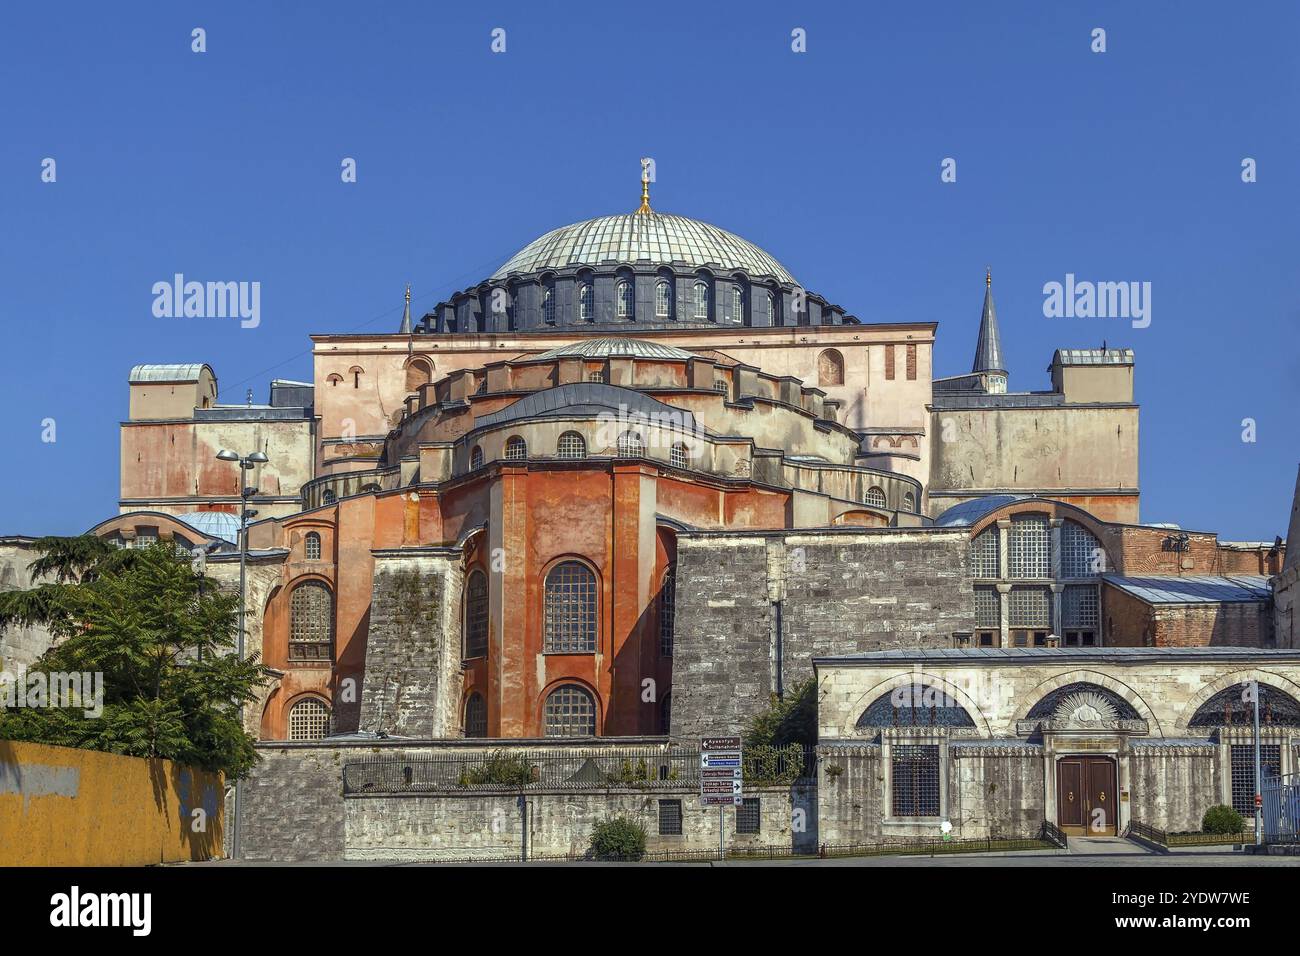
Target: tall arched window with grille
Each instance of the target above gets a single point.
(663, 299)
(680, 455)
(874, 496)
(569, 619)
(909, 502)
(737, 304)
(984, 554)
(1081, 553)
(701, 296)
(309, 719)
(667, 611)
(476, 615)
(586, 302)
(1029, 547)
(476, 457)
(311, 546)
(570, 711)
(475, 715)
(773, 309)
(311, 624)
(548, 306)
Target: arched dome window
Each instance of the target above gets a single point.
(623, 297)
(874, 496)
(737, 304)
(663, 299)
(516, 448)
(548, 306)
(475, 715)
(586, 302)
(680, 456)
(701, 296)
(909, 502)
(773, 309)
(571, 445)
(630, 445)
(476, 457)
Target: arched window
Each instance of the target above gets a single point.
(773, 309)
(680, 455)
(830, 368)
(984, 556)
(1083, 702)
(548, 306)
(737, 304)
(309, 719)
(475, 715)
(874, 496)
(623, 298)
(701, 290)
(571, 445)
(476, 615)
(663, 299)
(311, 546)
(667, 611)
(334, 378)
(1029, 547)
(586, 302)
(630, 445)
(1235, 707)
(516, 448)
(720, 385)
(570, 613)
(909, 502)
(476, 457)
(570, 712)
(311, 623)
(356, 372)
(1081, 553)
(419, 372)
(915, 705)
(328, 496)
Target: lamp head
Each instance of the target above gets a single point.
(227, 455)
(258, 458)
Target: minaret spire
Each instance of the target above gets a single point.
(406, 313)
(988, 346)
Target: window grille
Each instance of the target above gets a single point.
(586, 302)
(548, 306)
(680, 456)
(984, 558)
(1243, 773)
(737, 304)
(773, 309)
(516, 449)
(1030, 607)
(915, 780)
(309, 720)
(476, 615)
(670, 818)
(667, 611)
(1079, 606)
(623, 295)
(630, 445)
(909, 503)
(1030, 547)
(311, 618)
(988, 607)
(476, 716)
(476, 457)
(312, 546)
(749, 815)
(571, 445)
(570, 622)
(701, 300)
(874, 496)
(663, 300)
(720, 385)
(570, 712)
(1081, 553)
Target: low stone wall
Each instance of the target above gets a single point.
(1172, 785)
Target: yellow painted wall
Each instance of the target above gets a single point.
(65, 807)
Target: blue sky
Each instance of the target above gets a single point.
(1115, 166)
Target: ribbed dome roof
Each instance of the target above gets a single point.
(604, 348)
(660, 238)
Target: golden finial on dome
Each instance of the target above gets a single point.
(988, 276)
(646, 164)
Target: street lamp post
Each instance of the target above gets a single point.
(246, 491)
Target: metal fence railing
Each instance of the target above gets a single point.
(1281, 809)
(1167, 840)
(570, 768)
(1054, 835)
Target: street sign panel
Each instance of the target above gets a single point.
(721, 771)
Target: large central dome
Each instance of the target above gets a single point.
(634, 237)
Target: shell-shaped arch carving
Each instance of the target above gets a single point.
(1118, 688)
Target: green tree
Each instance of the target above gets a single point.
(172, 684)
(791, 719)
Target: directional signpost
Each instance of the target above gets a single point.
(722, 777)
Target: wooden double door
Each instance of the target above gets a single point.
(1086, 797)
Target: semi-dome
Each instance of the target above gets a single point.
(621, 347)
(659, 238)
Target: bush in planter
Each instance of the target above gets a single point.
(1222, 819)
(618, 839)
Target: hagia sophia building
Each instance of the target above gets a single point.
(639, 479)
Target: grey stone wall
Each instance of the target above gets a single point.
(19, 646)
(995, 790)
(413, 677)
(838, 593)
(293, 805)
(1172, 785)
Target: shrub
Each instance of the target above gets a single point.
(1222, 819)
(791, 719)
(500, 768)
(618, 839)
